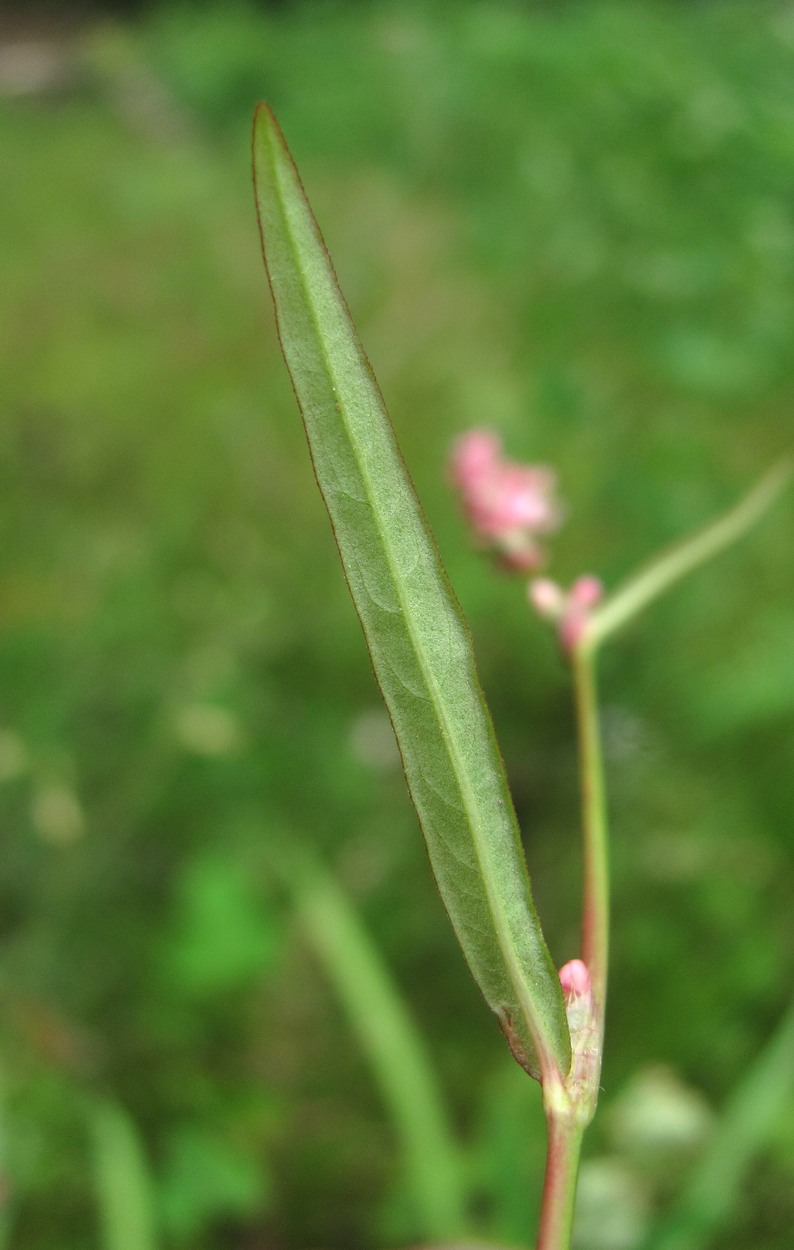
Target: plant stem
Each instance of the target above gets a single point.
(570, 1098)
(559, 1186)
(653, 580)
(621, 607)
(595, 906)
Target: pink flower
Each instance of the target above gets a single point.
(507, 504)
(569, 609)
(582, 1015)
(575, 979)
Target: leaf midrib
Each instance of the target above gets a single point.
(471, 807)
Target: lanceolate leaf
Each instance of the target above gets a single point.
(420, 647)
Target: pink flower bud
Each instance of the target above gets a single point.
(570, 609)
(507, 504)
(472, 456)
(575, 979)
(546, 597)
(586, 591)
(582, 1014)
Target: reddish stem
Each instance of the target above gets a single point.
(559, 1185)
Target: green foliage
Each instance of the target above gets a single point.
(222, 936)
(208, 1180)
(711, 1193)
(571, 222)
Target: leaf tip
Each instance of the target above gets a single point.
(264, 121)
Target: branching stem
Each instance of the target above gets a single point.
(570, 1098)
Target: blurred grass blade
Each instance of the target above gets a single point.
(121, 1179)
(743, 1130)
(383, 1026)
(419, 644)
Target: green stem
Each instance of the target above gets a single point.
(559, 1187)
(595, 908)
(570, 1098)
(621, 607)
(653, 580)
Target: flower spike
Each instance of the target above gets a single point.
(508, 505)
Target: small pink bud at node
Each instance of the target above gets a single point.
(575, 979)
(582, 1014)
(570, 609)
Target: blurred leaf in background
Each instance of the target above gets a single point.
(571, 222)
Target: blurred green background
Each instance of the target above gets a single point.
(571, 222)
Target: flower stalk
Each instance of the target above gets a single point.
(510, 507)
(583, 624)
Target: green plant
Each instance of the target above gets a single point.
(422, 655)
